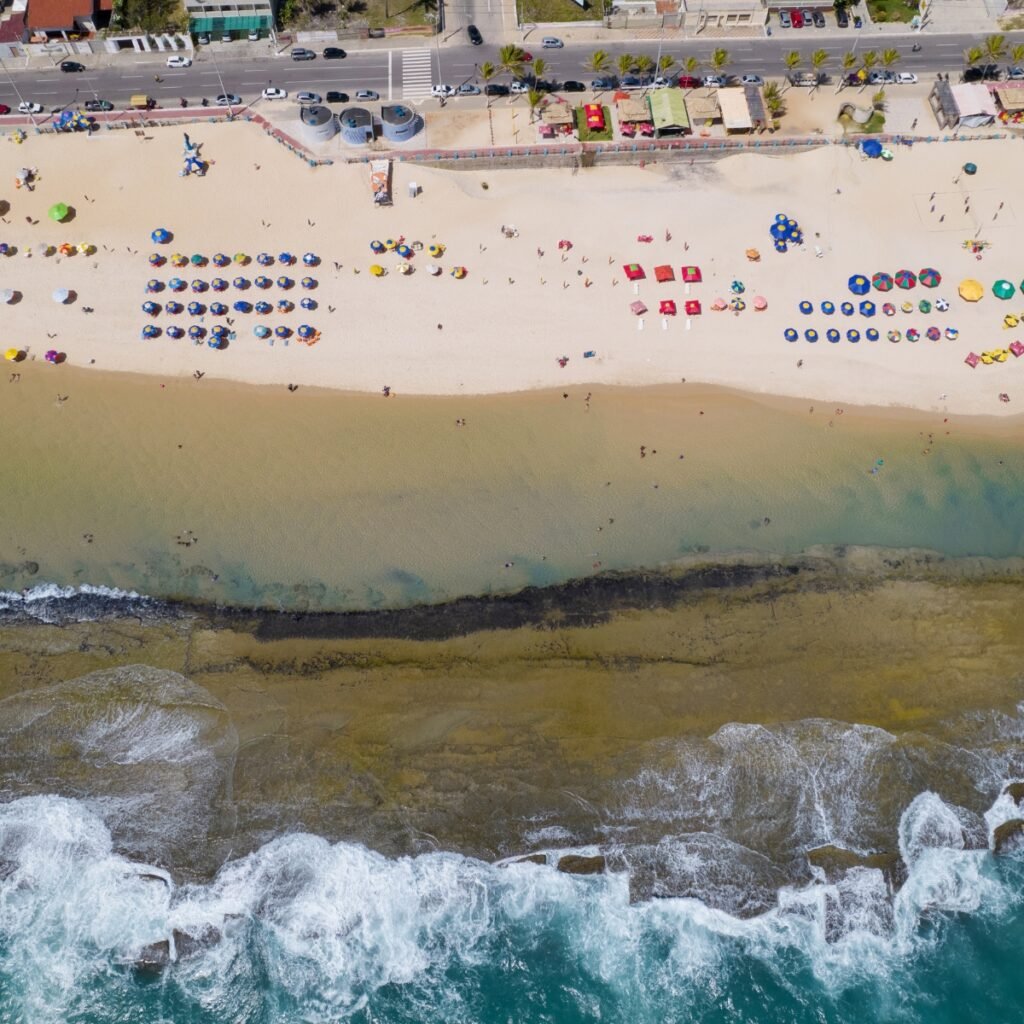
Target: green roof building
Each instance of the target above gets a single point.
(668, 112)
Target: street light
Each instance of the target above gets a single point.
(223, 91)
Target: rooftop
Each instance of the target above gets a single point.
(57, 14)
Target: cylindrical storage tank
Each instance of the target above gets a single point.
(399, 123)
(318, 124)
(356, 126)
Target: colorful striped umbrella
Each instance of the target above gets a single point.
(882, 282)
(929, 277)
(905, 279)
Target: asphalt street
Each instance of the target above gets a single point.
(407, 73)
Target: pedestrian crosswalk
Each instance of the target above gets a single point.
(417, 74)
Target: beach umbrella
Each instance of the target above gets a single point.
(219, 331)
(242, 307)
(12, 355)
(833, 335)
(152, 308)
(913, 334)
(282, 332)
(284, 282)
(952, 333)
(377, 246)
(173, 308)
(432, 269)
(218, 309)
(760, 303)
(86, 248)
(871, 334)
(924, 306)
(871, 148)
(905, 279)
(378, 271)
(174, 331)
(5, 249)
(286, 258)
(153, 285)
(66, 249)
(828, 308)
(161, 235)
(881, 282)
(198, 259)
(867, 308)
(196, 309)
(888, 309)
(781, 218)
(195, 332)
(859, 284)
(846, 309)
(404, 251)
(308, 303)
(199, 285)
(52, 356)
(308, 282)
(214, 341)
(155, 259)
(7, 295)
(779, 231)
(942, 305)
(263, 282)
(929, 277)
(435, 249)
(1003, 289)
(390, 244)
(218, 284)
(853, 335)
(264, 259)
(261, 331)
(737, 287)
(305, 331)
(459, 273)
(284, 306)
(310, 259)
(176, 284)
(806, 308)
(263, 308)
(791, 334)
(907, 307)
(737, 305)
(221, 259)
(241, 283)
(45, 249)
(241, 259)
(933, 333)
(61, 295)
(151, 331)
(970, 168)
(811, 334)
(971, 290)
(179, 260)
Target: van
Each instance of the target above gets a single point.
(140, 101)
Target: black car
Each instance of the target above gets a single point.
(337, 97)
(303, 54)
(574, 87)
(334, 53)
(842, 18)
(71, 65)
(474, 35)
(98, 105)
(819, 19)
(493, 89)
(982, 73)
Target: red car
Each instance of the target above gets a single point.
(4, 109)
(797, 18)
(688, 82)
(527, 58)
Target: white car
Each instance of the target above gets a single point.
(178, 61)
(273, 93)
(662, 83)
(27, 107)
(441, 90)
(519, 86)
(906, 78)
(714, 81)
(751, 80)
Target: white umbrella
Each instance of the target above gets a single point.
(61, 295)
(43, 249)
(8, 295)
(433, 269)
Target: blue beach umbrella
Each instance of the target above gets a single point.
(780, 245)
(242, 307)
(282, 332)
(284, 306)
(161, 236)
(176, 284)
(197, 333)
(196, 309)
(173, 308)
(261, 331)
(832, 334)
(174, 331)
(286, 258)
(263, 308)
(872, 334)
(828, 308)
(218, 309)
(859, 284)
(198, 285)
(791, 334)
(152, 308)
(308, 303)
(867, 308)
(305, 331)
(218, 284)
(779, 231)
(309, 282)
(811, 334)
(846, 309)
(221, 259)
(264, 259)
(214, 342)
(263, 282)
(198, 260)
(151, 331)
(310, 259)
(781, 218)
(219, 331)
(153, 285)
(853, 335)
(806, 308)
(284, 282)
(241, 283)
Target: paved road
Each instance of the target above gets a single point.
(407, 73)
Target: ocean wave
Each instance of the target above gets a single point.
(305, 929)
(55, 604)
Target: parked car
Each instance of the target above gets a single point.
(819, 19)
(807, 15)
(273, 93)
(4, 109)
(751, 80)
(599, 84)
(854, 78)
(475, 36)
(714, 81)
(254, 36)
(858, 21)
(842, 18)
(306, 97)
(573, 86)
(228, 99)
(28, 107)
(552, 43)
(806, 79)
(688, 82)
(631, 82)
(882, 77)
(663, 82)
(179, 61)
(334, 53)
(301, 53)
(518, 86)
(441, 90)
(203, 39)
(337, 97)
(71, 65)
(526, 58)
(367, 94)
(785, 19)
(468, 89)
(796, 18)
(495, 89)
(906, 78)
(982, 73)
(1015, 74)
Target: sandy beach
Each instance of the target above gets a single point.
(525, 305)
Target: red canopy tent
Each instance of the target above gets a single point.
(667, 307)
(594, 114)
(664, 274)
(692, 307)
(692, 275)
(634, 271)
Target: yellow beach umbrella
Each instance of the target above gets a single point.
(12, 355)
(971, 290)
(85, 248)
(377, 270)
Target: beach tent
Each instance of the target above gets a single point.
(692, 275)
(971, 290)
(638, 308)
(1003, 289)
(634, 272)
(692, 307)
(859, 284)
(881, 282)
(664, 273)
(928, 277)
(905, 279)
(667, 307)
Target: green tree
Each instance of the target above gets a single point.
(868, 60)
(624, 64)
(973, 56)
(540, 65)
(487, 71)
(995, 47)
(773, 99)
(818, 61)
(1017, 53)
(719, 60)
(847, 63)
(890, 57)
(666, 62)
(792, 60)
(510, 60)
(644, 64)
(533, 97)
(597, 62)
(691, 66)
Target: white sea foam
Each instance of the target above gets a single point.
(50, 602)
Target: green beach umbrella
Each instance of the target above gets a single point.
(59, 211)
(1003, 290)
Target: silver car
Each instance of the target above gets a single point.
(551, 43)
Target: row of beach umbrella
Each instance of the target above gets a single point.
(933, 333)
(217, 335)
(928, 277)
(46, 249)
(220, 284)
(173, 308)
(868, 308)
(972, 291)
(221, 259)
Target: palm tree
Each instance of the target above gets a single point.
(973, 56)
(533, 97)
(666, 63)
(624, 64)
(869, 58)
(691, 66)
(890, 57)
(848, 63)
(792, 60)
(540, 65)
(597, 62)
(773, 99)
(818, 60)
(487, 71)
(644, 64)
(995, 47)
(719, 60)
(510, 60)
(1017, 53)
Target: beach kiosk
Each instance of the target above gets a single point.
(668, 111)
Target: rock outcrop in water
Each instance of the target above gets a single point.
(575, 864)
(1008, 837)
